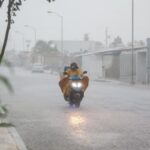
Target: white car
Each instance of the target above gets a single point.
(38, 68)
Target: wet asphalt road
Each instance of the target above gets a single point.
(112, 116)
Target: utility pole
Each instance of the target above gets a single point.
(34, 31)
(61, 17)
(106, 37)
(132, 49)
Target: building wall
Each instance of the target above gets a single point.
(148, 62)
(111, 65)
(118, 65)
(126, 66)
(93, 64)
(141, 68)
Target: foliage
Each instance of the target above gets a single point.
(117, 42)
(41, 47)
(47, 54)
(12, 7)
(7, 63)
(3, 114)
(3, 79)
(17, 2)
(1, 2)
(5, 124)
(3, 111)
(44, 48)
(3, 108)
(6, 82)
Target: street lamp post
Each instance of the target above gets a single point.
(34, 30)
(61, 17)
(132, 49)
(18, 32)
(107, 37)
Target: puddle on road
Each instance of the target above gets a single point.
(77, 123)
(82, 134)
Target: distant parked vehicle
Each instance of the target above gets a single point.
(38, 68)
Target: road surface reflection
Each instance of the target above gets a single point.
(77, 123)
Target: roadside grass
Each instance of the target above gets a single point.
(3, 115)
(3, 108)
(6, 125)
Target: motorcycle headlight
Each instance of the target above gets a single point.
(74, 85)
(79, 84)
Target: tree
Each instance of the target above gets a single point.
(117, 42)
(41, 47)
(12, 7)
(47, 54)
(44, 50)
(4, 80)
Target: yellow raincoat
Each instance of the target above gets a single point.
(64, 82)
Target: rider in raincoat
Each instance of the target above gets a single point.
(71, 71)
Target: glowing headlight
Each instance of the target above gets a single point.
(74, 84)
(79, 84)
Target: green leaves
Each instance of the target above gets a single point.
(6, 63)
(3, 111)
(3, 115)
(6, 82)
(3, 79)
(1, 2)
(50, 0)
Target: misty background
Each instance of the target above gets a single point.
(114, 113)
(79, 17)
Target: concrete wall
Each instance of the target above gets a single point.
(125, 67)
(118, 65)
(93, 64)
(141, 68)
(111, 66)
(148, 62)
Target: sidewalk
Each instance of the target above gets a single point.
(137, 85)
(10, 139)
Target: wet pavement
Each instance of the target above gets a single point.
(111, 116)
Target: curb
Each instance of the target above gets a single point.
(17, 139)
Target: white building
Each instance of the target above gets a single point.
(116, 64)
(72, 46)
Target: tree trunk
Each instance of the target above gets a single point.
(5, 42)
(7, 30)
(1, 3)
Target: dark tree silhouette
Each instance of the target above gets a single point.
(12, 7)
(117, 42)
(1, 2)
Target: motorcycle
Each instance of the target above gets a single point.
(76, 89)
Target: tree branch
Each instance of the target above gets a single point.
(10, 3)
(1, 3)
(13, 5)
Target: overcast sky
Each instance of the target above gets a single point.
(80, 17)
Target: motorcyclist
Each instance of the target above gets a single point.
(71, 71)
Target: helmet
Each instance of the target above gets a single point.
(74, 66)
